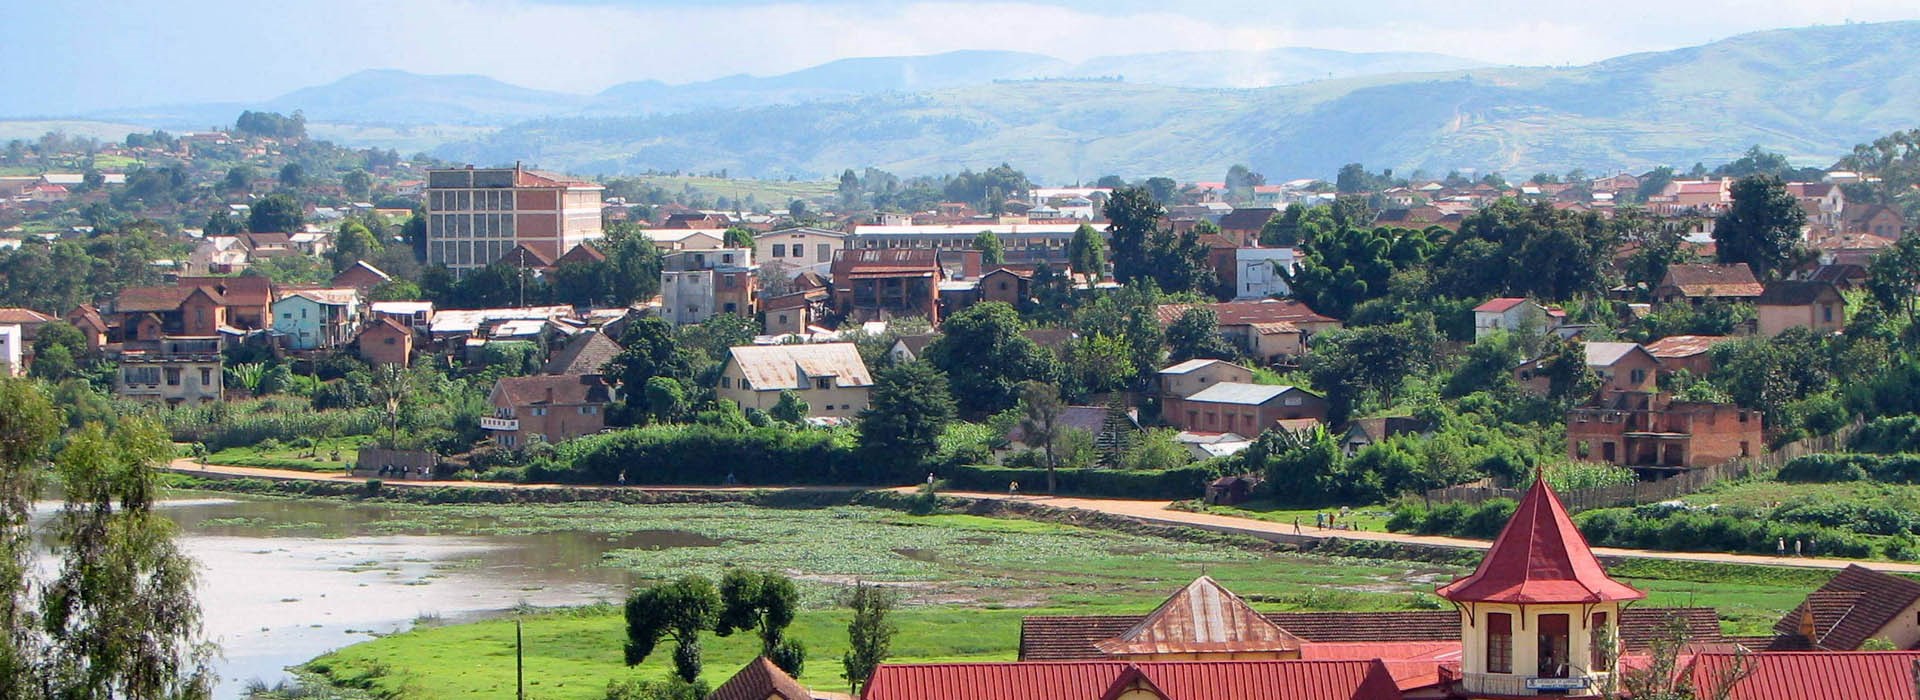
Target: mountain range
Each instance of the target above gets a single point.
(1810, 93)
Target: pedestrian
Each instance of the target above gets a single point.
(1013, 487)
(1319, 520)
(929, 480)
(1333, 521)
(1296, 524)
(1780, 547)
(1796, 548)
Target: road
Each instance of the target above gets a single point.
(1153, 512)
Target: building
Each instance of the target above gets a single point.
(1857, 605)
(1247, 409)
(474, 216)
(86, 318)
(1275, 331)
(1024, 244)
(1146, 680)
(1362, 432)
(13, 355)
(1686, 352)
(1652, 432)
(1621, 366)
(174, 370)
(876, 285)
(317, 319)
(797, 250)
(1243, 225)
(1817, 306)
(830, 377)
(1874, 219)
(792, 314)
(1193, 376)
(545, 408)
(417, 315)
(1706, 282)
(1539, 616)
(676, 239)
(587, 354)
(908, 348)
(1009, 285)
(249, 300)
(361, 275)
(1256, 272)
(760, 679)
(384, 342)
(1511, 314)
(696, 285)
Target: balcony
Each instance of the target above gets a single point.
(488, 423)
(1588, 685)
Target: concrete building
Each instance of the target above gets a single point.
(317, 319)
(695, 285)
(175, 370)
(1511, 314)
(830, 377)
(474, 216)
(12, 350)
(1191, 377)
(1621, 367)
(1256, 272)
(874, 285)
(1247, 409)
(1024, 244)
(798, 250)
(546, 408)
(1817, 306)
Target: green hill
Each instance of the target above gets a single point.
(1810, 93)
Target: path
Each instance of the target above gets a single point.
(1156, 512)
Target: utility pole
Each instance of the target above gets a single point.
(519, 663)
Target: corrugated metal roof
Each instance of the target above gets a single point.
(1539, 558)
(1875, 675)
(1607, 354)
(1201, 618)
(1239, 393)
(1684, 345)
(1174, 680)
(1191, 365)
(776, 367)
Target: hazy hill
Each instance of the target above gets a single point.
(1256, 69)
(1810, 93)
(839, 79)
(400, 97)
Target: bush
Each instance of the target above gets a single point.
(1173, 484)
(699, 454)
(1889, 435)
(1826, 468)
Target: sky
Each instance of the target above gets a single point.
(72, 57)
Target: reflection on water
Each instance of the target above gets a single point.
(284, 581)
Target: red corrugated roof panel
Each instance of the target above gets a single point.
(1858, 675)
(1540, 557)
(1175, 680)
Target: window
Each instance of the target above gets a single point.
(823, 383)
(1743, 449)
(1003, 286)
(825, 252)
(1499, 643)
(1598, 639)
(779, 250)
(390, 341)
(1638, 375)
(1291, 401)
(1826, 314)
(1582, 449)
(588, 410)
(726, 259)
(206, 376)
(173, 376)
(1553, 645)
(539, 411)
(783, 319)
(726, 382)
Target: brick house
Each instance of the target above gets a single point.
(362, 276)
(882, 283)
(145, 314)
(1621, 366)
(1248, 409)
(1273, 330)
(548, 408)
(384, 342)
(1815, 305)
(1688, 352)
(1191, 377)
(1876, 219)
(1697, 283)
(1011, 285)
(830, 377)
(1651, 430)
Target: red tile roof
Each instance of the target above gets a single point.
(1500, 305)
(14, 314)
(1877, 675)
(1540, 557)
(564, 389)
(760, 680)
(1241, 313)
(1852, 607)
(1174, 680)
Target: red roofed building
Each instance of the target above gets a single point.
(872, 284)
(1871, 675)
(1119, 680)
(1536, 611)
(1203, 621)
(475, 216)
(760, 680)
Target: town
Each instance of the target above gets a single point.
(1640, 432)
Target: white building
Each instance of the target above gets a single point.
(1258, 272)
(11, 351)
(695, 285)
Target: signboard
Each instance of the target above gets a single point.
(1577, 683)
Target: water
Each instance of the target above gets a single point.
(283, 581)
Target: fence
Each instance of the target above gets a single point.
(1672, 487)
(395, 464)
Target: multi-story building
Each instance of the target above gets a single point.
(476, 215)
(316, 319)
(695, 285)
(546, 408)
(797, 250)
(830, 377)
(176, 370)
(1026, 244)
(873, 285)
(1651, 431)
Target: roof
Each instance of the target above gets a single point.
(1202, 618)
(1500, 305)
(139, 299)
(1193, 365)
(1859, 602)
(885, 260)
(1734, 280)
(1174, 680)
(245, 290)
(777, 367)
(566, 389)
(760, 679)
(1838, 273)
(1248, 219)
(1540, 557)
(524, 255)
(585, 354)
(1877, 675)
(970, 229)
(542, 178)
(328, 297)
(917, 343)
(1609, 354)
(15, 314)
(1055, 339)
(1240, 393)
(386, 324)
(1239, 313)
(469, 320)
(1684, 345)
(582, 253)
(1091, 419)
(362, 267)
(1787, 293)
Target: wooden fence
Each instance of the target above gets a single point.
(1640, 492)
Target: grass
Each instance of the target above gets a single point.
(1368, 517)
(965, 582)
(1761, 493)
(318, 458)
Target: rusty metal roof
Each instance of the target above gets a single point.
(1684, 345)
(1202, 618)
(1173, 680)
(776, 367)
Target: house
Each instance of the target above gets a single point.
(317, 319)
(1875, 219)
(1621, 366)
(86, 319)
(361, 275)
(219, 255)
(1822, 201)
(1653, 432)
(760, 679)
(145, 314)
(1243, 225)
(697, 285)
(12, 350)
(546, 408)
(586, 354)
(1813, 305)
(830, 377)
(384, 342)
(417, 315)
(1275, 331)
(249, 299)
(1191, 377)
(583, 254)
(1842, 275)
(792, 313)
(873, 285)
(1882, 675)
(1689, 352)
(1256, 272)
(1512, 314)
(796, 250)
(1009, 285)
(1023, 243)
(1694, 283)
(908, 348)
(173, 370)
(28, 320)
(1362, 432)
(1202, 445)
(1144, 680)
(1857, 605)
(1248, 409)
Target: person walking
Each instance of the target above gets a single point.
(1296, 525)
(1780, 547)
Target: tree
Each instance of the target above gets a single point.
(1087, 252)
(990, 251)
(1196, 335)
(681, 609)
(28, 423)
(737, 237)
(1133, 215)
(869, 634)
(909, 409)
(352, 243)
(240, 178)
(849, 190)
(357, 183)
(221, 223)
(790, 409)
(1040, 409)
(120, 618)
(1761, 228)
(986, 358)
(276, 213)
(1241, 180)
(57, 338)
(292, 175)
(1344, 265)
(763, 602)
(1892, 277)
(1354, 364)
(666, 402)
(1097, 364)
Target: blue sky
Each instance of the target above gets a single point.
(68, 57)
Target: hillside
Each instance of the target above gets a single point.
(1806, 92)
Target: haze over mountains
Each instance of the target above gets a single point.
(1811, 93)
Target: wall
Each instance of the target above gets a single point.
(1184, 385)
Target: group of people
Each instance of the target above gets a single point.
(1326, 520)
(404, 472)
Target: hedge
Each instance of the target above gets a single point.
(1824, 468)
(1171, 484)
(1827, 530)
(1888, 435)
(705, 455)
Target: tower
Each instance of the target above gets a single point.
(1540, 616)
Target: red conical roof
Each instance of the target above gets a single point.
(1539, 558)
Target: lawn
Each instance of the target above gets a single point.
(1764, 493)
(1367, 517)
(965, 582)
(319, 458)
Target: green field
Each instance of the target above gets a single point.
(1371, 517)
(319, 458)
(966, 581)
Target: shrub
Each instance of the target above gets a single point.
(1888, 435)
(1174, 484)
(700, 454)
